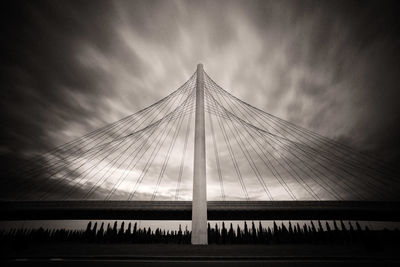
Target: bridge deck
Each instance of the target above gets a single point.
(217, 210)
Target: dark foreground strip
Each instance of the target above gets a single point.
(201, 258)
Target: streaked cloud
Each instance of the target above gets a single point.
(71, 68)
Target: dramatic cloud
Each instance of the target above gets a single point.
(70, 67)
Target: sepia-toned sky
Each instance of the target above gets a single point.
(70, 67)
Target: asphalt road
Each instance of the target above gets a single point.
(77, 254)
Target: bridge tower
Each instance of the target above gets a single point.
(199, 200)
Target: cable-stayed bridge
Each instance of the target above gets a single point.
(202, 143)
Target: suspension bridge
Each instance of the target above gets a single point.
(201, 154)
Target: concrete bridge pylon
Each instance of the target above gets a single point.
(199, 202)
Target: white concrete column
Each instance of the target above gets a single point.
(199, 201)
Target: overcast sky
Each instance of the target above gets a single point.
(70, 67)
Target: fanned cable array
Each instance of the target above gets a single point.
(251, 155)
(285, 161)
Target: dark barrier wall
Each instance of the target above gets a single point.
(216, 210)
